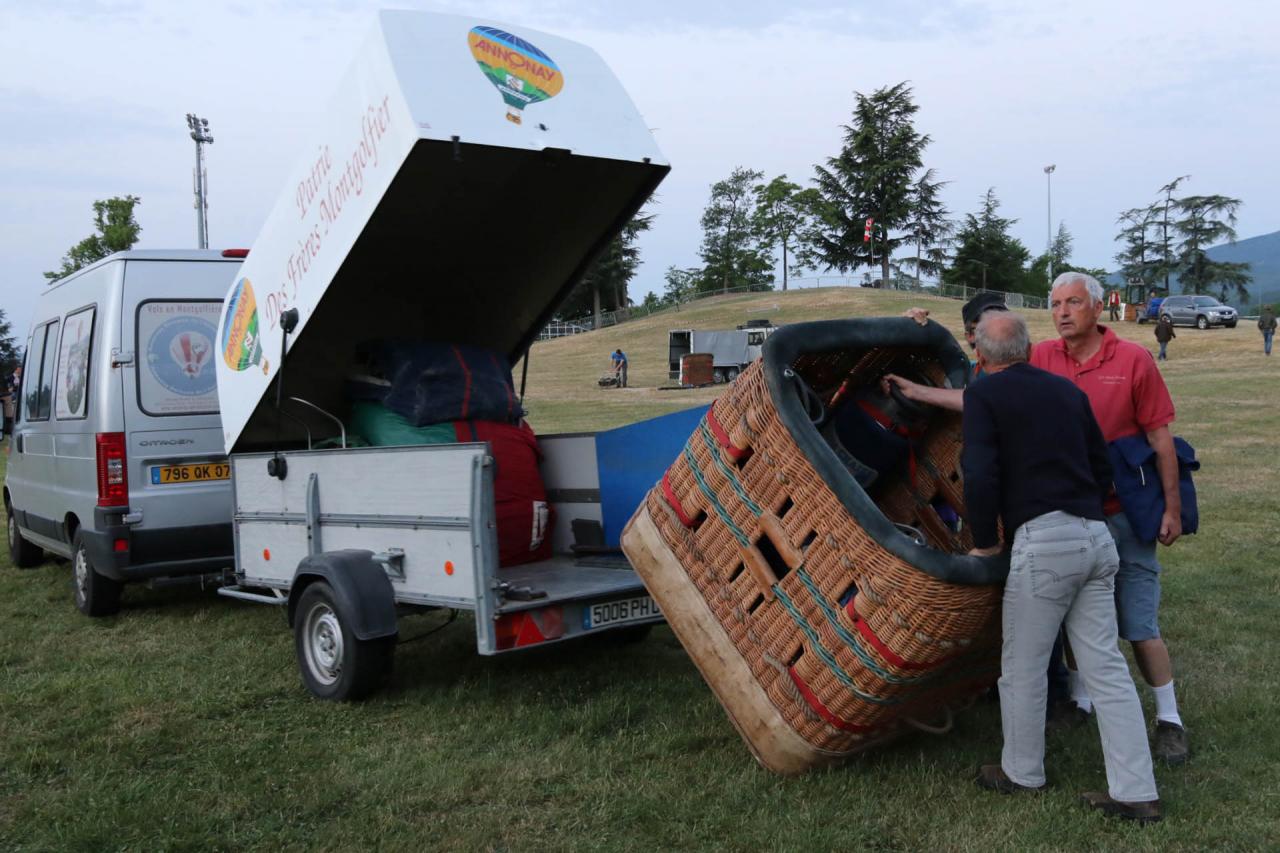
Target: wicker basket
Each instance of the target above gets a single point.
(821, 626)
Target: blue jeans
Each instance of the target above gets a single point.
(1163, 344)
(1266, 341)
(1137, 582)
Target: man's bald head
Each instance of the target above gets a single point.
(1002, 338)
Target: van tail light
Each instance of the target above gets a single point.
(113, 472)
(235, 253)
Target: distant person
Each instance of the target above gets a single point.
(1034, 458)
(1267, 325)
(1113, 304)
(1164, 334)
(620, 367)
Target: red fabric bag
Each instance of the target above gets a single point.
(520, 498)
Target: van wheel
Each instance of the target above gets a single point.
(731, 374)
(1202, 322)
(96, 594)
(23, 553)
(334, 663)
(717, 375)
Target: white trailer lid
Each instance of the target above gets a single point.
(463, 178)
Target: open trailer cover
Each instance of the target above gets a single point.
(463, 178)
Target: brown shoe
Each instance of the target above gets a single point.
(1172, 746)
(1148, 812)
(993, 778)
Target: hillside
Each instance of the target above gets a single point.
(562, 393)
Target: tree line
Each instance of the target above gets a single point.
(875, 204)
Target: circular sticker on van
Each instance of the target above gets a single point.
(179, 355)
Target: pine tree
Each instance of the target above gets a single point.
(1206, 220)
(873, 177)
(1137, 258)
(987, 257)
(929, 227)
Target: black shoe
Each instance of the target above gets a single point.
(1148, 812)
(1172, 746)
(993, 778)
(1064, 716)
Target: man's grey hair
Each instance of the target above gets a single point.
(1070, 278)
(1002, 337)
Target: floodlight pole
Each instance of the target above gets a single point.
(1048, 250)
(200, 133)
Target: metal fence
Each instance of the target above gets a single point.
(562, 328)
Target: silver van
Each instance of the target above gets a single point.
(116, 460)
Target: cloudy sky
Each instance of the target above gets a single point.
(1121, 96)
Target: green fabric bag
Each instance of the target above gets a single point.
(382, 427)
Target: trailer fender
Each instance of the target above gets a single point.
(361, 589)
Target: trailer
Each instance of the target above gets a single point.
(731, 350)
(465, 176)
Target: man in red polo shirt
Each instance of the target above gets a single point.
(1128, 397)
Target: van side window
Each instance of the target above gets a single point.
(73, 365)
(175, 346)
(39, 380)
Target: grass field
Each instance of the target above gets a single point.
(182, 724)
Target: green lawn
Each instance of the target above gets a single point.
(182, 724)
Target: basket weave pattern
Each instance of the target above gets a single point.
(849, 641)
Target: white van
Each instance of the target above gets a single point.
(116, 461)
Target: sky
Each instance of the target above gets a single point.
(1120, 96)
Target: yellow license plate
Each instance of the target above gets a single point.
(163, 475)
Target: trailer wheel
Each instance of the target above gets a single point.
(731, 374)
(95, 594)
(335, 664)
(717, 375)
(23, 553)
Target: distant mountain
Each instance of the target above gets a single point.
(1261, 253)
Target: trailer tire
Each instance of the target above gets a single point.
(718, 375)
(335, 664)
(95, 594)
(23, 553)
(731, 374)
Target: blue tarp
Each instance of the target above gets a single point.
(631, 459)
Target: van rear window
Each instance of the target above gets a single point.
(176, 374)
(73, 365)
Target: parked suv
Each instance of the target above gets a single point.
(1199, 311)
(116, 460)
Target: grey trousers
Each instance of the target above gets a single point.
(1063, 573)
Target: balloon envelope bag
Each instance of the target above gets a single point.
(808, 546)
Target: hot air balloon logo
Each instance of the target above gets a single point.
(522, 74)
(190, 351)
(241, 345)
(178, 353)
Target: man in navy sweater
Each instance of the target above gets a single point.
(1034, 458)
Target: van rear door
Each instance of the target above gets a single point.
(178, 476)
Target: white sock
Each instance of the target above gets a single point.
(1166, 704)
(1079, 694)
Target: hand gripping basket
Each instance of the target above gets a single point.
(811, 607)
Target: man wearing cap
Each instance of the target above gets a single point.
(970, 313)
(1128, 397)
(1061, 712)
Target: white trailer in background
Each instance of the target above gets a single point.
(731, 349)
(466, 175)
